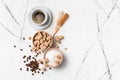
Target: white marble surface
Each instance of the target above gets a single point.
(92, 36)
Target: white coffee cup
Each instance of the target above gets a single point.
(37, 13)
(39, 17)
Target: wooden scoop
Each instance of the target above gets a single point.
(61, 20)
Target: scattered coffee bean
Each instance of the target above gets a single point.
(24, 57)
(27, 69)
(39, 69)
(32, 73)
(14, 46)
(29, 57)
(50, 68)
(23, 38)
(33, 58)
(46, 60)
(31, 50)
(29, 45)
(20, 68)
(38, 72)
(24, 61)
(41, 62)
(21, 49)
(42, 73)
(31, 70)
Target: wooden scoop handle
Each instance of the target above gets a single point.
(61, 21)
(64, 18)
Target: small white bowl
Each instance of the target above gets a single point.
(51, 54)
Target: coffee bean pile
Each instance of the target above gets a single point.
(33, 65)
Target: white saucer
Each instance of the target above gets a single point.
(49, 20)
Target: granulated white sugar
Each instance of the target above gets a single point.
(52, 56)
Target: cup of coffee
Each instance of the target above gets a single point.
(39, 17)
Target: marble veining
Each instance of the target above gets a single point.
(98, 60)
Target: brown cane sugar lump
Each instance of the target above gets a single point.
(37, 37)
(46, 60)
(65, 48)
(40, 35)
(59, 38)
(48, 38)
(45, 36)
(59, 57)
(41, 41)
(56, 46)
(44, 33)
(38, 47)
(49, 42)
(45, 64)
(44, 68)
(43, 48)
(36, 43)
(39, 60)
(57, 62)
(44, 39)
(38, 52)
(34, 48)
(46, 44)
